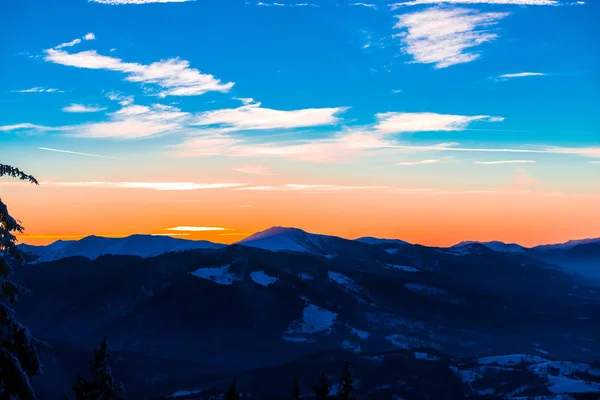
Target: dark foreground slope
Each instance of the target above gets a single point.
(242, 308)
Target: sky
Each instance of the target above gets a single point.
(429, 121)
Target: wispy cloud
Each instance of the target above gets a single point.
(275, 4)
(290, 187)
(368, 5)
(174, 76)
(444, 36)
(423, 162)
(521, 75)
(134, 122)
(125, 2)
(396, 91)
(505, 162)
(394, 122)
(252, 116)
(80, 108)
(196, 228)
(74, 152)
(254, 169)
(160, 186)
(594, 162)
(89, 36)
(39, 90)
(25, 126)
(502, 2)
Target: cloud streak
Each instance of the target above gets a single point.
(135, 2)
(160, 186)
(197, 228)
(173, 76)
(74, 152)
(80, 108)
(423, 162)
(39, 90)
(499, 2)
(521, 75)
(504, 162)
(444, 37)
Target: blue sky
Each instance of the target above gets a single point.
(463, 95)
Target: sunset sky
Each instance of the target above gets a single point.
(429, 121)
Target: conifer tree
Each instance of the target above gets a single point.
(295, 391)
(19, 359)
(321, 391)
(232, 393)
(346, 383)
(102, 385)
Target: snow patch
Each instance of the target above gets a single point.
(262, 279)
(361, 334)
(314, 319)
(219, 275)
(180, 393)
(354, 347)
(343, 280)
(424, 289)
(425, 356)
(404, 268)
(306, 277)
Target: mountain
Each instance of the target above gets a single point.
(567, 245)
(378, 241)
(280, 238)
(494, 245)
(135, 245)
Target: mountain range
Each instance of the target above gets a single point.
(183, 316)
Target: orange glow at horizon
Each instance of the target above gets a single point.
(433, 219)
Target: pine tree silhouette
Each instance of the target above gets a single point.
(321, 391)
(295, 391)
(102, 386)
(346, 383)
(19, 359)
(232, 393)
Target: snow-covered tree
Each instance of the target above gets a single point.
(102, 386)
(19, 359)
(321, 391)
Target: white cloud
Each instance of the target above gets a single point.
(25, 126)
(122, 99)
(68, 44)
(73, 152)
(134, 122)
(39, 90)
(395, 122)
(196, 228)
(160, 186)
(80, 108)
(254, 169)
(88, 36)
(174, 76)
(253, 116)
(504, 162)
(396, 91)
(503, 2)
(443, 36)
(521, 75)
(423, 162)
(368, 5)
(124, 2)
(309, 188)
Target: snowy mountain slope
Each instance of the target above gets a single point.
(92, 247)
(377, 241)
(290, 239)
(566, 245)
(494, 245)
